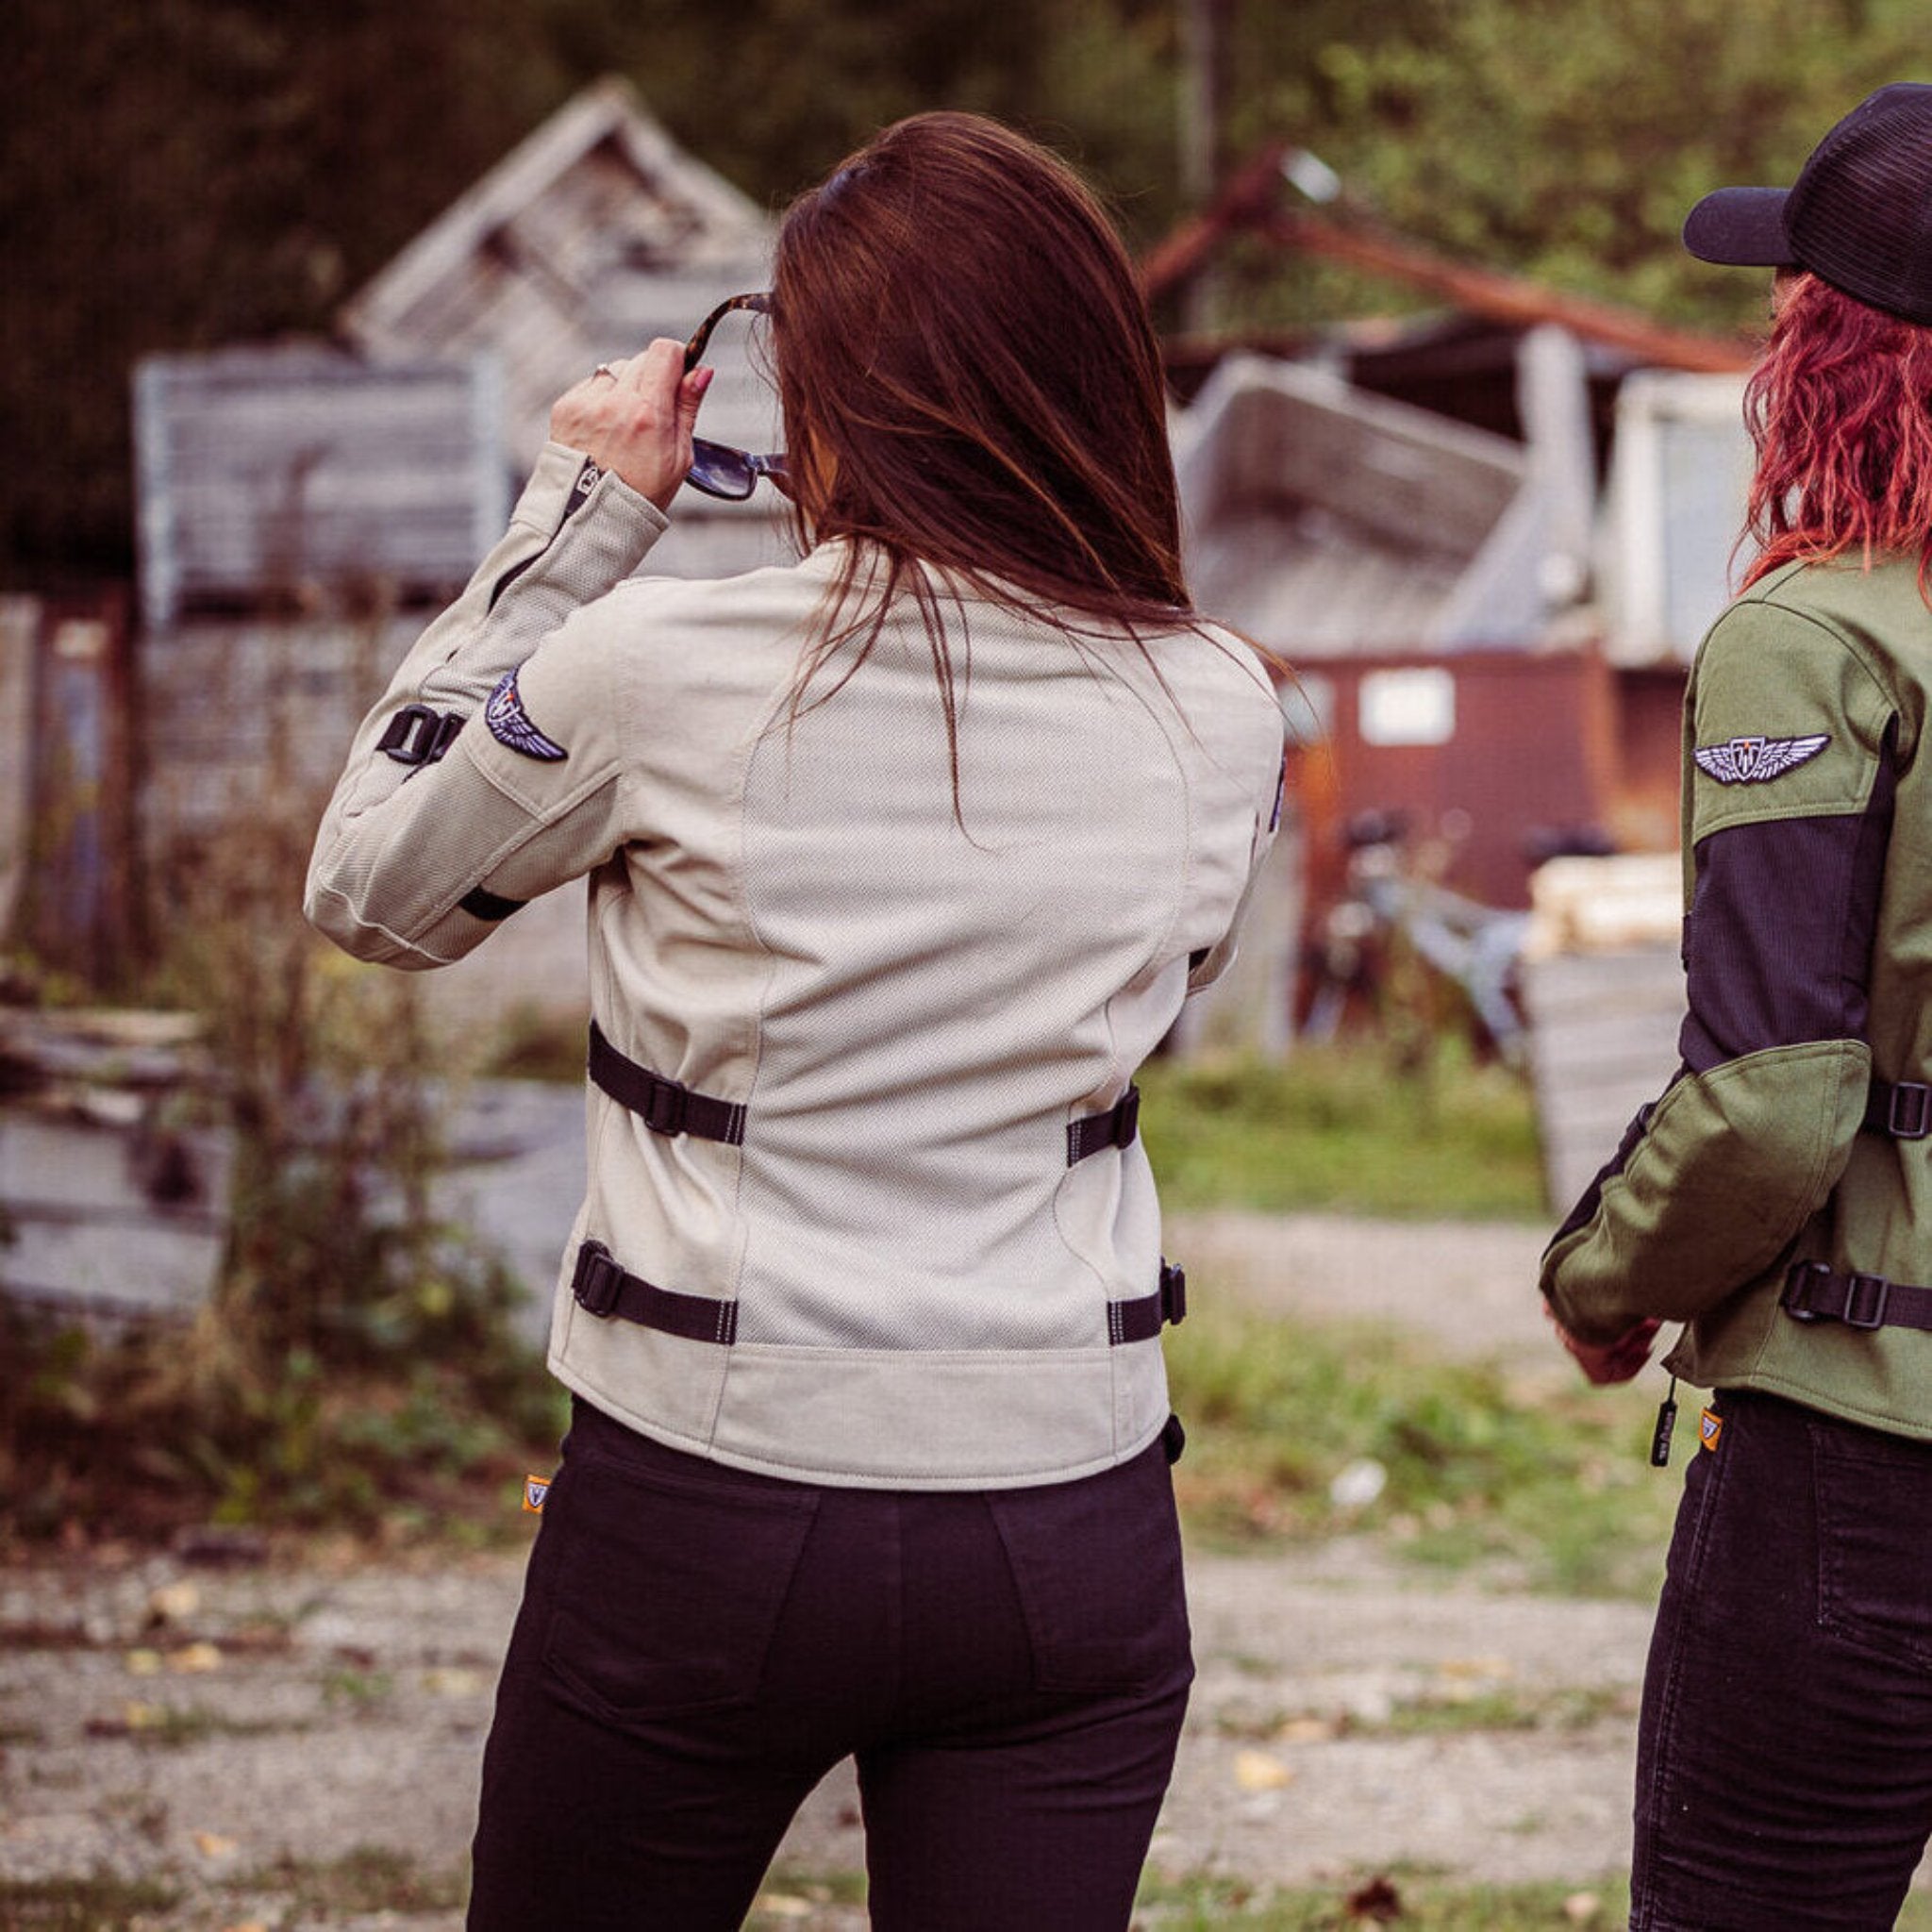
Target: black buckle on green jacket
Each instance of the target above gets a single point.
(1900, 1110)
(1815, 1292)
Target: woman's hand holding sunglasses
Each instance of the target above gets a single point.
(634, 418)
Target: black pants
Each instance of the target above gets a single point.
(697, 1646)
(1784, 1773)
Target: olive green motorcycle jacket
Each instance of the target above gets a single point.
(1777, 1197)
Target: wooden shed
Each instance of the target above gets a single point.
(268, 477)
(595, 235)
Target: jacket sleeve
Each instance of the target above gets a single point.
(491, 770)
(1789, 776)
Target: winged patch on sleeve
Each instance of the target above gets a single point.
(510, 723)
(1756, 761)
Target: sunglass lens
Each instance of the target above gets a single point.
(719, 470)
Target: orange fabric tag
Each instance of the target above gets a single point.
(1709, 1427)
(535, 1488)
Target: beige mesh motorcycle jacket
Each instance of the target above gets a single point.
(865, 1203)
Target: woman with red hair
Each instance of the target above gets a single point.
(1777, 1199)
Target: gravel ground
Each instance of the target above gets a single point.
(209, 1726)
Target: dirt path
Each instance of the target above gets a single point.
(241, 1734)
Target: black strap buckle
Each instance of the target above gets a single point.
(1127, 1118)
(1174, 1293)
(669, 1105)
(597, 1280)
(1865, 1297)
(1803, 1280)
(1909, 1115)
(418, 735)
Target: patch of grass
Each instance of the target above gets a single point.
(790, 1899)
(1205, 1904)
(1550, 1483)
(1346, 1128)
(172, 1727)
(371, 1879)
(101, 1903)
(358, 1688)
(1434, 1713)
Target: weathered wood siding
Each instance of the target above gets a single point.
(267, 474)
(1602, 1042)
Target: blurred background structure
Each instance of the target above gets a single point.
(1456, 422)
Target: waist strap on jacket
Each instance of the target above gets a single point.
(663, 1106)
(1116, 1128)
(603, 1287)
(1900, 1108)
(1815, 1292)
(1141, 1320)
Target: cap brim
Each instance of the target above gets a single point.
(1740, 227)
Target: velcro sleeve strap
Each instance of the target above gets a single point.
(1815, 1292)
(1116, 1128)
(1901, 1109)
(664, 1106)
(604, 1288)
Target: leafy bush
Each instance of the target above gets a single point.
(356, 1364)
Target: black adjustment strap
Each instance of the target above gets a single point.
(1814, 1292)
(481, 903)
(1116, 1128)
(1900, 1109)
(663, 1106)
(1141, 1320)
(602, 1288)
(419, 736)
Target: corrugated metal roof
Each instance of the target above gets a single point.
(1327, 521)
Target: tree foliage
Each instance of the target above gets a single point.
(181, 173)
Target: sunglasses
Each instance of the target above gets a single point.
(716, 468)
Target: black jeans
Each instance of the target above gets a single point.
(1784, 1775)
(697, 1646)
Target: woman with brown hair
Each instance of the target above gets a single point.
(1777, 1198)
(901, 860)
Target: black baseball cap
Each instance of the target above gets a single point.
(1859, 216)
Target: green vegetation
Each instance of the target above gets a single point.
(247, 168)
(790, 1898)
(371, 1879)
(1206, 1905)
(1342, 1128)
(1546, 1484)
(102, 1902)
(1499, 1708)
(357, 1365)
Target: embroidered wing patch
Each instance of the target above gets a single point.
(1757, 761)
(510, 723)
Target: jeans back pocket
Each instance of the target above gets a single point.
(669, 1587)
(1874, 1540)
(1097, 1567)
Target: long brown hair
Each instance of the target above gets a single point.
(1839, 409)
(970, 380)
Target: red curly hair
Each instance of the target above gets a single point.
(1839, 409)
